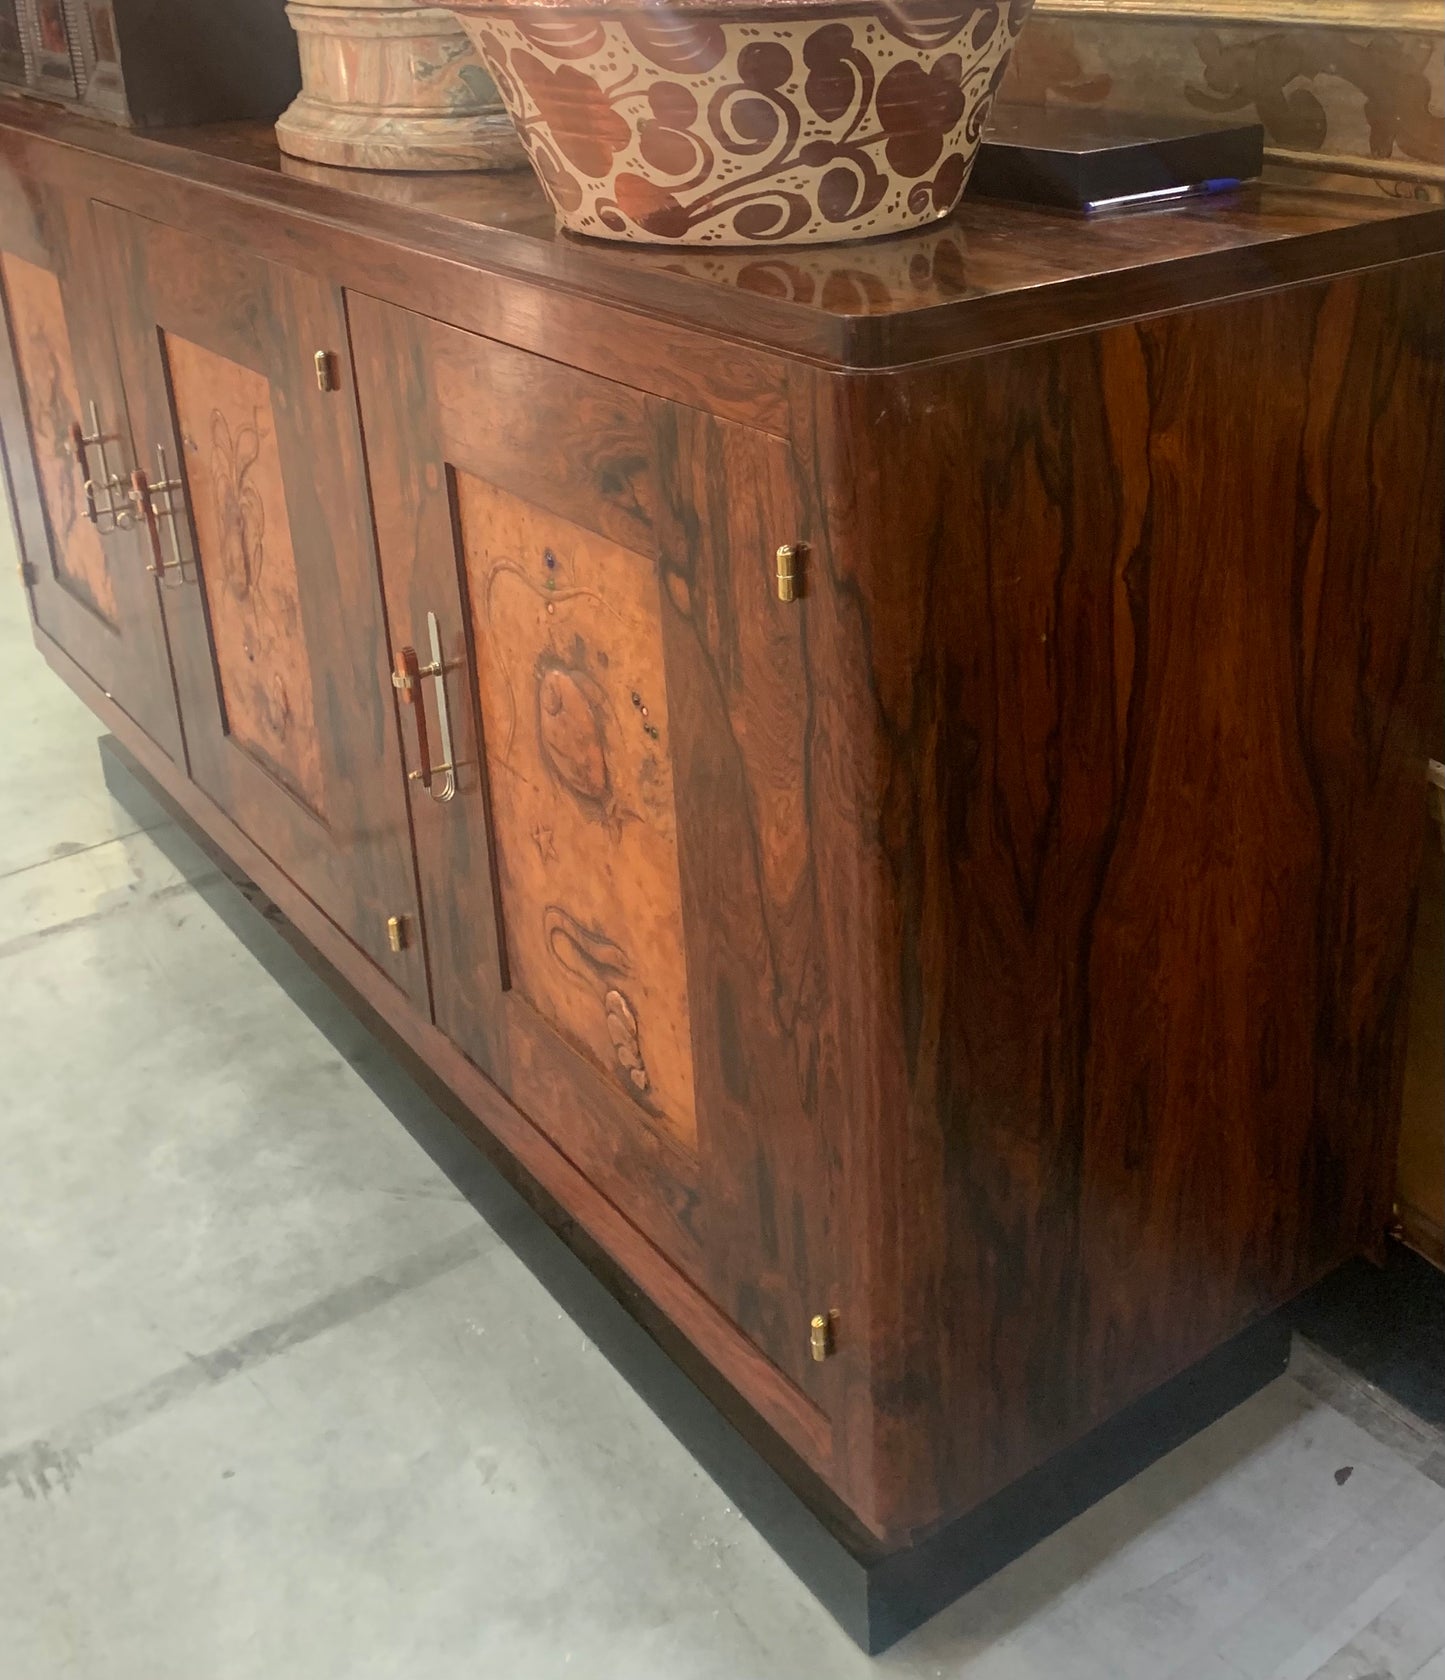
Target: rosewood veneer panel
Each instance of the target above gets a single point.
(1149, 700)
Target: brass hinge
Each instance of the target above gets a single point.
(788, 571)
(396, 933)
(820, 1336)
(327, 378)
(29, 577)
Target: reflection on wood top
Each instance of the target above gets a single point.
(992, 274)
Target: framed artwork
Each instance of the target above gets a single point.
(12, 44)
(97, 56)
(51, 63)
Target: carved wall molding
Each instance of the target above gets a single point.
(1423, 17)
(1381, 169)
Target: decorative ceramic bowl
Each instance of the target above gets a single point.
(387, 86)
(697, 122)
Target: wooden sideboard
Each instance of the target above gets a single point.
(960, 995)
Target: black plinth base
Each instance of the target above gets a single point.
(876, 1596)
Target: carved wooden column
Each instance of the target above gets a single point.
(390, 86)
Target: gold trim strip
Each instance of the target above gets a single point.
(1409, 17)
(1342, 163)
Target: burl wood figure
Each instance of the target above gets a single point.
(43, 355)
(956, 995)
(574, 718)
(237, 499)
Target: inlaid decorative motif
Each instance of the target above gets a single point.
(102, 31)
(575, 734)
(237, 496)
(53, 26)
(1373, 95)
(47, 372)
(696, 128)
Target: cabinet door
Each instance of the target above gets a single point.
(270, 587)
(615, 891)
(86, 563)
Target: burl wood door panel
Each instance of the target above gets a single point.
(270, 585)
(90, 589)
(573, 701)
(45, 363)
(616, 898)
(236, 491)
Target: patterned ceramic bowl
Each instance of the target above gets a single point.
(764, 122)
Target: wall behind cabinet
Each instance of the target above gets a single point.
(1351, 93)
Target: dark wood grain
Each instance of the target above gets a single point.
(484, 253)
(288, 220)
(1044, 871)
(578, 446)
(765, 1022)
(1148, 704)
(741, 1195)
(276, 624)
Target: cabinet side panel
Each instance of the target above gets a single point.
(1150, 645)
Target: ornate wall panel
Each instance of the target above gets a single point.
(1350, 92)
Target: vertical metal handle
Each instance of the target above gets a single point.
(112, 514)
(146, 497)
(78, 442)
(448, 766)
(406, 680)
(439, 780)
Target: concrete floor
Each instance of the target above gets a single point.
(277, 1404)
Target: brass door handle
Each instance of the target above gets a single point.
(406, 680)
(106, 501)
(154, 502)
(439, 780)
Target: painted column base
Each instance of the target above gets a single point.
(322, 133)
(394, 86)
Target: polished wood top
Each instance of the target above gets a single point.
(992, 274)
